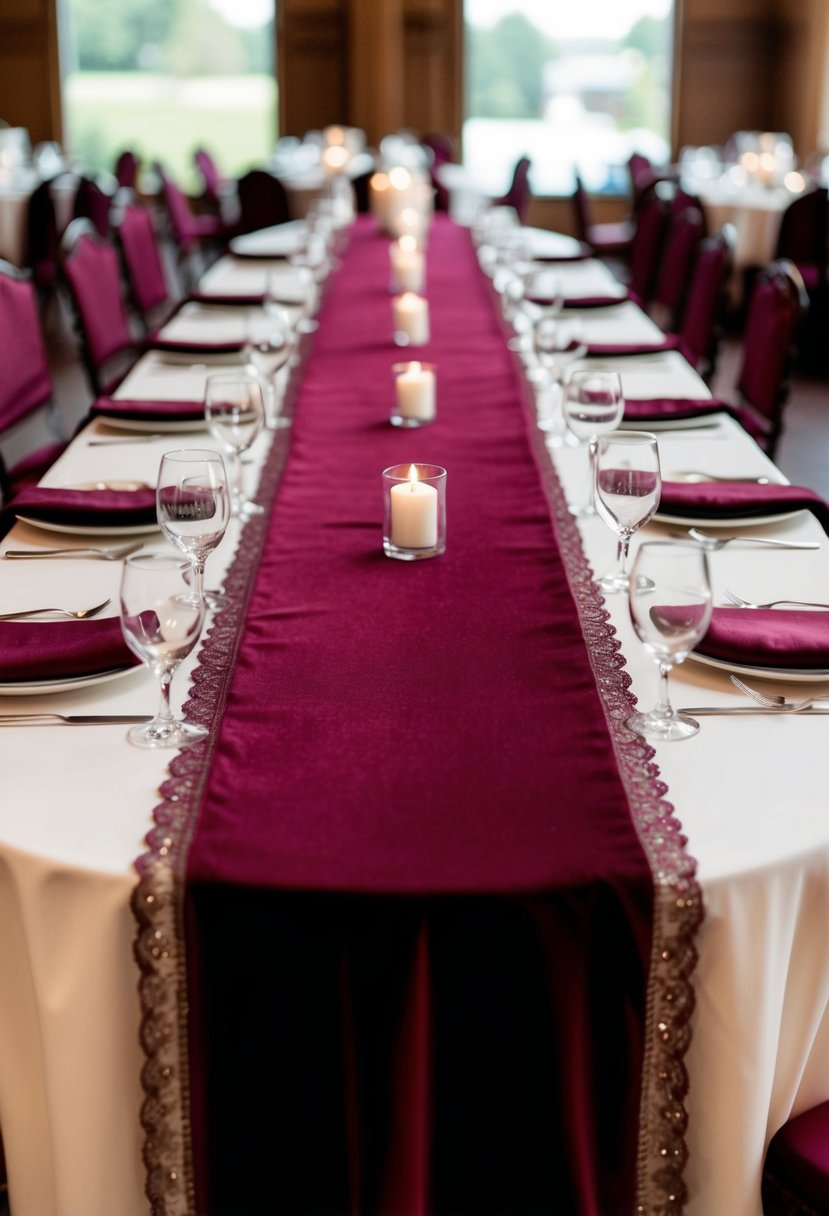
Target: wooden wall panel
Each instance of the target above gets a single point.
(29, 68)
(312, 64)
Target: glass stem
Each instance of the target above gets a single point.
(592, 453)
(165, 713)
(198, 570)
(624, 546)
(663, 709)
(236, 477)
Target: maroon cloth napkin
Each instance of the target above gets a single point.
(719, 500)
(579, 301)
(209, 297)
(93, 508)
(194, 348)
(768, 637)
(45, 650)
(630, 348)
(148, 411)
(654, 409)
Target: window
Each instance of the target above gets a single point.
(572, 83)
(164, 76)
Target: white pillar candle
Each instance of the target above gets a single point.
(411, 319)
(407, 264)
(415, 386)
(414, 514)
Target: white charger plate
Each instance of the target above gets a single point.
(34, 688)
(733, 521)
(160, 426)
(89, 529)
(671, 424)
(791, 675)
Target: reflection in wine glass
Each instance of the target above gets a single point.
(161, 621)
(628, 486)
(193, 504)
(593, 405)
(235, 413)
(669, 620)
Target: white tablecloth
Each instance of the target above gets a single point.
(750, 793)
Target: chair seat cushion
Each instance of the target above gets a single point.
(796, 1172)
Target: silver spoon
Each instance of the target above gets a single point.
(79, 614)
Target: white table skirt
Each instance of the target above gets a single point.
(750, 793)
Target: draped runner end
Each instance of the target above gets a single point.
(160, 907)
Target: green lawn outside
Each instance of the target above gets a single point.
(165, 119)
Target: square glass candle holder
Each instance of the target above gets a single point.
(414, 511)
(410, 313)
(414, 394)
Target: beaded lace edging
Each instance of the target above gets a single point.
(157, 901)
(678, 908)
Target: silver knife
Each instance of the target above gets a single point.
(71, 719)
(699, 711)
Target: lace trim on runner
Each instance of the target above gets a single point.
(678, 907)
(157, 900)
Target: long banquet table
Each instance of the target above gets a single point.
(417, 927)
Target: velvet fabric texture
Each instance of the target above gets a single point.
(93, 508)
(768, 637)
(418, 913)
(25, 384)
(722, 500)
(52, 650)
(796, 1171)
(146, 411)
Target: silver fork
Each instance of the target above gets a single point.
(79, 614)
(774, 700)
(719, 542)
(113, 554)
(697, 475)
(739, 602)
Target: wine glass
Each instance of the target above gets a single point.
(270, 339)
(628, 486)
(161, 621)
(193, 504)
(669, 620)
(235, 413)
(557, 343)
(593, 405)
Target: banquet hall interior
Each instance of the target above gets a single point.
(369, 369)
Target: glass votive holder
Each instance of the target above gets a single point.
(415, 394)
(414, 511)
(410, 313)
(407, 265)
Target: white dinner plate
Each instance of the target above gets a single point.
(671, 424)
(89, 529)
(793, 676)
(160, 426)
(277, 242)
(34, 688)
(734, 521)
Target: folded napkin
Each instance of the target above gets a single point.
(209, 297)
(656, 409)
(630, 348)
(578, 301)
(147, 411)
(720, 500)
(768, 637)
(179, 347)
(86, 508)
(46, 650)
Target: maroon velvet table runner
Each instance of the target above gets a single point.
(419, 913)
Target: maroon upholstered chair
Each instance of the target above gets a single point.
(518, 195)
(25, 383)
(802, 237)
(126, 169)
(774, 313)
(143, 265)
(606, 240)
(263, 201)
(796, 1170)
(210, 175)
(92, 273)
(442, 152)
(193, 234)
(94, 202)
(649, 234)
(685, 231)
(43, 233)
(700, 330)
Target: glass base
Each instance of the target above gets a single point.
(582, 510)
(612, 584)
(662, 728)
(399, 420)
(245, 510)
(412, 555)
(166, 733)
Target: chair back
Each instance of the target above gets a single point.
(685, 231)
(699, 332)
(42, 232)
(135, 233)
(777, 304)
(581, 208)
(93, 203)
(263, 201)
(178, 211)
(210, 175)
(802, 237)
(647, 243)
(126, 169)
(518, 195)
(641, 173)
(25, 385)
(90, 268)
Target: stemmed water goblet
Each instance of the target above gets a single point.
(235, 413)
(628, 486)
(271, 341)
(593, 405)
(161, 621)
(193, 505)
(670, 607)
(557, 343)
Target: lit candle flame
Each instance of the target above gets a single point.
(408, 243)
(412, 477)
(400, 179)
